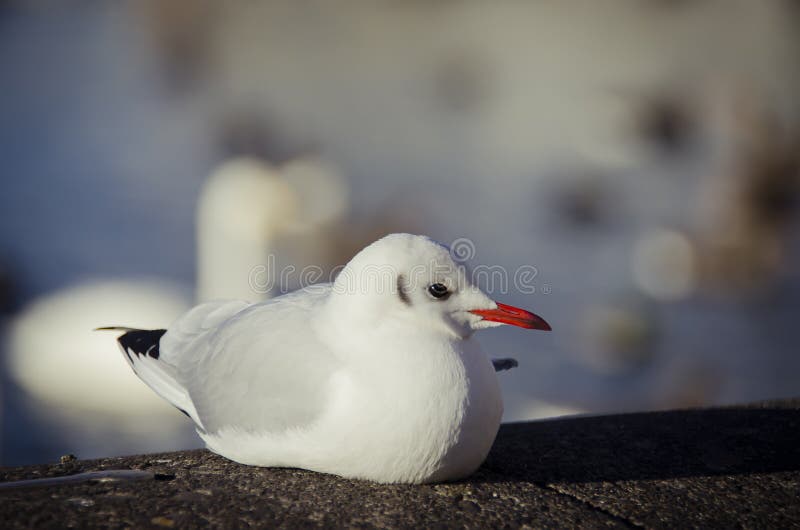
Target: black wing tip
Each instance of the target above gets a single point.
(504, 364)
(141, 342)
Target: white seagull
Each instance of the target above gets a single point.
(374, 376)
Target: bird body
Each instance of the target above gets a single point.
(375, 376)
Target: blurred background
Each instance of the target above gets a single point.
(642, 155)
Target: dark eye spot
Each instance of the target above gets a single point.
(402, 289)
(438, 290)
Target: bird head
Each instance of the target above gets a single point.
(413, 283)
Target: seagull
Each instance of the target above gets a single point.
(374, 376)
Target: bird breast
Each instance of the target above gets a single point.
(427, 412)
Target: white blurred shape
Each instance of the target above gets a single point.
(56, 356)
(243, 207)
(664, 265)
(90, 397)
(534, 409)
(322, 194)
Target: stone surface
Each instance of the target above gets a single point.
(724, 467)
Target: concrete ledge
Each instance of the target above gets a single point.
(724, 467)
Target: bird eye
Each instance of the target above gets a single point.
(438, 290)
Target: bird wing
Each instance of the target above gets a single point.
(255, 367)
(141, 350)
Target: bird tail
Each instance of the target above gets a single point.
(142, 351)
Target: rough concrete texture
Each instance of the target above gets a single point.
(725, 467)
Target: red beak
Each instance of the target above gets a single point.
(515, 316)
